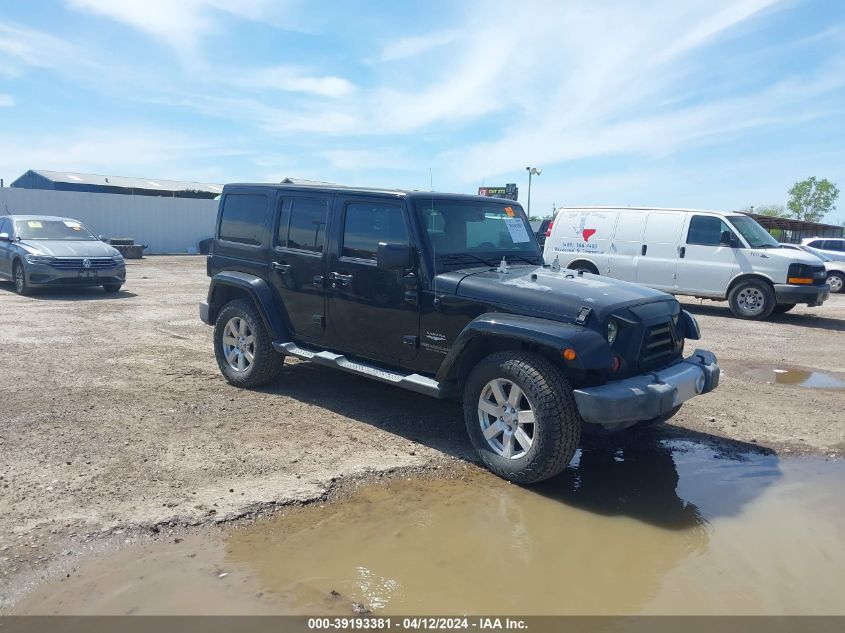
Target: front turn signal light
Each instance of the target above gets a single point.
(569, 354)
(800, 280)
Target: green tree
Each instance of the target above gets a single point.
(773, 210)
(812, 199)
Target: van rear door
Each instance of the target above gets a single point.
(658, 255)
(626, 245)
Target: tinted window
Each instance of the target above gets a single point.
(834, 245)
(243, 218)
(706, 230)
(367, 224)
(816, 243)
(308, 224)
(283, 223)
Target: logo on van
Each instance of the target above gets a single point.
(588, 233)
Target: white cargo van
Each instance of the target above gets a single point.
(709, 254)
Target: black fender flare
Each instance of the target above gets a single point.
(260, 292)
(592, 350)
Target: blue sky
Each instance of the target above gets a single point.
(716, 104)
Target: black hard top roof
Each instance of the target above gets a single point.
(398, 193)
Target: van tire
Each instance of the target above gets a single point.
(752, 299)
(557, 423)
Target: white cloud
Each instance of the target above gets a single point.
(22, 47)
(416, 45)
(178, 23)
(289, 79)
(6, 101)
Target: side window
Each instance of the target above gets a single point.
(283, 223)
(816, 244)
(366, 224)
(242, 219)
(308, 224)
(706, 230)
(834, 245)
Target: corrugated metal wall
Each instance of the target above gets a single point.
(167, 225)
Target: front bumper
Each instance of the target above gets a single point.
(811, 295)
(618, 405)
(44, 275)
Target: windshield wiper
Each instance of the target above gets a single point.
(525, 259)
(455, 256)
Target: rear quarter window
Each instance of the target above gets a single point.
(242, 218)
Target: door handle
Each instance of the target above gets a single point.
(682, 250)
(282, 268)
(338, 279)
(644, 249)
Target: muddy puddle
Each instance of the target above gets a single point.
(797, 377)
(655, 527)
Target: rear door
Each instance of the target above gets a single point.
(705, 266)
(659, 249)
(371, 312)
(298, 260)
(626, 244)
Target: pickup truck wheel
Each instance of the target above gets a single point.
(521, 416)
(752, 299)
(243, 348)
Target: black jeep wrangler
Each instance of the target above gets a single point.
(446, 295)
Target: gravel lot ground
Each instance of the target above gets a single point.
(116, 422)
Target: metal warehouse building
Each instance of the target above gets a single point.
(95, 183)
(169, 216)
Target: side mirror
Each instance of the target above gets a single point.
(394, 256)
(4, 237)
(726, 239)
(103, 238)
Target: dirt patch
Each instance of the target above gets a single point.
(116, 420)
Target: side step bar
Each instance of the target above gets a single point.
(413, 382)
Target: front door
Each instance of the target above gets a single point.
(659, 250)
(705, 266)
(6, 250)
(298, 261)
(371, 312)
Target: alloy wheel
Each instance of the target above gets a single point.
(506, 418)
(238, 344)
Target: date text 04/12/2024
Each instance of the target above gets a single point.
(416, 623)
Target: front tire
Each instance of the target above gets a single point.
(521, 416)
(243, 348)
(836, 281)
(19, 278)
(112, 288)
(752, 299)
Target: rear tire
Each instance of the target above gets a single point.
(752, 299)
(836, 281)
(540, 448)
(19, 279)
(243, 348)
(783, 308)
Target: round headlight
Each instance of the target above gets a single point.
(612, 331)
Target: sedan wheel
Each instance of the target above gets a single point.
(836, 281)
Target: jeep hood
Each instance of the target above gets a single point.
(555, 294)
(69, 248)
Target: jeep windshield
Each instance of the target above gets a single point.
(477, 233)
(754, 234)
(52, 230)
